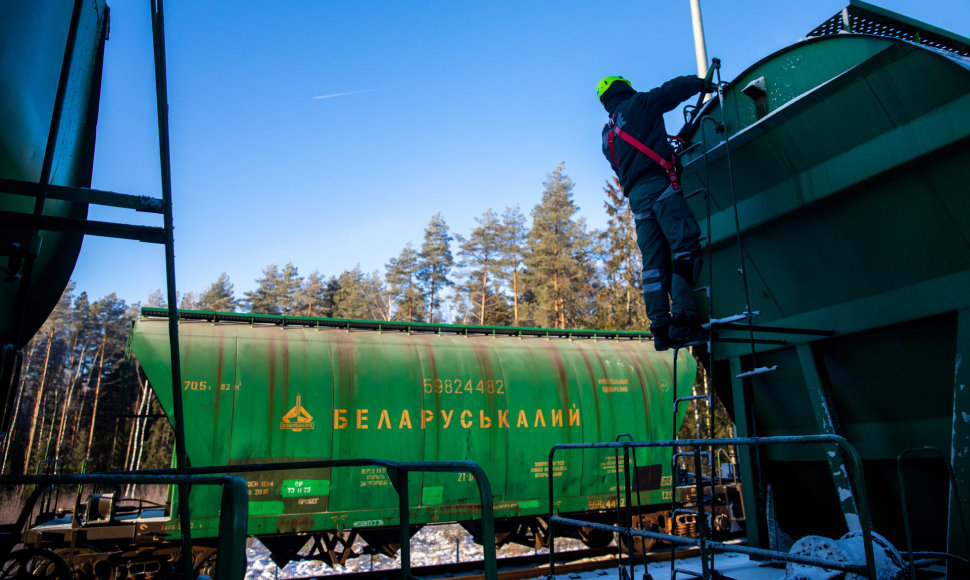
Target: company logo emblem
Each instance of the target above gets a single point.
(297, 419)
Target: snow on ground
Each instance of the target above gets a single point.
(731, 565)
(439, 544)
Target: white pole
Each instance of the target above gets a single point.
(700, 47)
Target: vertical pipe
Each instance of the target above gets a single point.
(674, 468)
(552, 524)
(488, 523)
(400, 476)
(700, 47)
(957, 541)
(181, 457)
(701, 512)
(231, 562)
(628, 511)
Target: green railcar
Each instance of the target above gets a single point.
(41, 141)
(262, 389)
(846, 164)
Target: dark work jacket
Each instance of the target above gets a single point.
(641, 115)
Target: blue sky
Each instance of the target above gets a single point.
(327, 133)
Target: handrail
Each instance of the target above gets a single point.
(954, 489)
(858, 482)
(233, 514)
(398, 474)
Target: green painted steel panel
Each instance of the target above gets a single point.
(33, 37)
(262, 392)
(854, 212)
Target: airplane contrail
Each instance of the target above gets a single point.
(332, 95)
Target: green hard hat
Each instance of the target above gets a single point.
(605, 85)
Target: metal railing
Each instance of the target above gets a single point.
(398, 473)
(706, 545)
(954, 489)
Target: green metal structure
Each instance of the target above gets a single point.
(48, 111)
(51, 57)
(264, 389)
(840, 194)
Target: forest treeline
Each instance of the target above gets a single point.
(551, 273)
(80, 407)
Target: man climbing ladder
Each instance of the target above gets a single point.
(635, 143)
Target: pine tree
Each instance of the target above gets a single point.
(435, 262)
(277, 291)
(219, 296)
(113, 318)
(157, 299)
(620, 303)
(401, 274)
(189, 301)
(56, 325)
(329, 297)
(262, 299)
(379, 303)
(559, 269)
(512, 235)
(313, 298)
(288, 289)
(479, 257)
(360, 296)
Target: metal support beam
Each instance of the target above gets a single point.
(81, 195)
(828, 424)
(753, 497)
(960, 446)
(875, 311)
(148, 234)
(165, 161)
(772, 329)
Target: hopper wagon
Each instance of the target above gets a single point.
(261, 389)
(833, 175)
(47, 137)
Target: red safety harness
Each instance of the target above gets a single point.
(670, 165)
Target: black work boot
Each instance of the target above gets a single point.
(687, 332)
(661, 340)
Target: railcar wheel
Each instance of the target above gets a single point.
(205, 560)
(595, 538)
(87, 562)
(640, 544)
(34, 563)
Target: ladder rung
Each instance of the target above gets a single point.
(689, 148)
(752, 341)
(735, 318)
(775, 329)
(757, 371)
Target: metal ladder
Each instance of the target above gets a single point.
(44, 190)
(744, 321)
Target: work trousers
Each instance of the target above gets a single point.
(667, 234)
